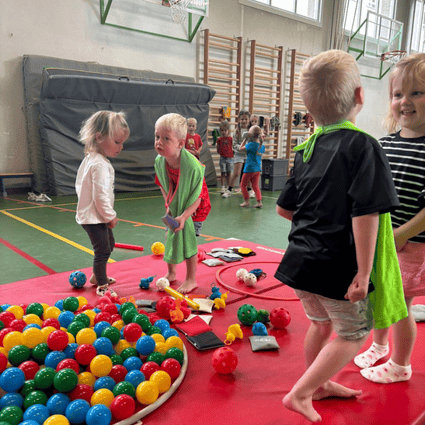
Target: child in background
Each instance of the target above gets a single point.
(103, 135)
(225, 150)
(181, 179)
(405, 150)
(193, 141)
(253, 120)
(253, 146)
(340, 183)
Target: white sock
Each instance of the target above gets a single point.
(387, 373)
(371, 356)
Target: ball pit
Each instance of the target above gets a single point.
(53, 372)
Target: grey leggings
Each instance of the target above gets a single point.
(103, 242)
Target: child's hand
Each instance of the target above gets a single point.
(181, 222)
(112, 223)
(400, 240)
(358, 289)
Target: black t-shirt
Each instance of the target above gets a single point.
(348, 175)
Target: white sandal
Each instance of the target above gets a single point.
(101, 290)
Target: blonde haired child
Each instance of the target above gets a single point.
(103, 136)
(181, 179)
(405, 150)
(225, 150)
(193, 140)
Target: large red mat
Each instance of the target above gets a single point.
(253, 393)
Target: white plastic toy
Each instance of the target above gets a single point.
(250, 279)
(162, 283)
(241, 273)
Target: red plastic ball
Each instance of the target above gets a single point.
(103, 316)
(3, 333)
(110, 308)
(224, 360)
(148, 368)
(17, 325)
(68, 364)
(84, 354)
(3, 362)
(115, 317)
(132, 332)
(51, 322)
(30, 368)
(82, 391)
(57, 340)
(118, 373)
(164, 305)
(104, 300)
(280, 318)
(122, 407)
(6, 317)
(154, 317)
(172, 367)
(87, 307)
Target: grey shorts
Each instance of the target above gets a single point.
(226, 165)
(350, 320)
(198, 227)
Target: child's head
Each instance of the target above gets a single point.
(191, 125)
(170, 135)
(407, 77)
(253, 120)
(330, 86)
(104, 132)
(243, 119)
(224, 128)
(255, 132)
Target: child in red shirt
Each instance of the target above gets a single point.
(193, 142)
(225, 150)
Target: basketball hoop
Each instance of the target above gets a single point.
(179, 10)
(393, 56)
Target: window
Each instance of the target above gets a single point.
(310, 10)
(417, 39)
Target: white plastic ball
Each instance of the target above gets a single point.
(241, 273)
(250, 279)
(162, 283)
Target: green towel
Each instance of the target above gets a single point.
(182, 245)
(388, 304)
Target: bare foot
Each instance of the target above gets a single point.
(302, 406)
(332, 389)
(171, 277)
(258, 205)
(244, 204)
(187, 286)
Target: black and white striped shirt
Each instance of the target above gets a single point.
(407, 162)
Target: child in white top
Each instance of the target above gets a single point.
(103, 135)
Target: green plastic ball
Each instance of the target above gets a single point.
(129, 352)
(153, 330)
(28, 387)
(127, 305)
(65, 380)
(156, 357)
(128, 315)
(175, 353)
(39, 352)
(75, 327)
(18, 354)
(83, 318)
(247, 314)
(71, 304)
(263, 316)
(35, 308)
(116, 359)
(143, 321)
(112, 333)
(124, 387)
(12, 415)
(1, 325)
(44, 378)
(35, 397)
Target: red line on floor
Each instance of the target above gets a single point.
(27, 257)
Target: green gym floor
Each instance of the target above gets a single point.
(41, 238)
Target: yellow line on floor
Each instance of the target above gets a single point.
(48, 232)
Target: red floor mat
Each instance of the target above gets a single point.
(252, 394)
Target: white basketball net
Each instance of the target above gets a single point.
(179, 10)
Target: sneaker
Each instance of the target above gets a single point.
(113, 293)
(238, 190)
(223, 189)
(258, 205)
(110, 280)
(244, 204)
(251, 194)
(42, 198)
(226, 194)
(101, 290)
(32, 196)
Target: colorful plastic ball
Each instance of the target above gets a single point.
(68, 364)
(102, 396)
(18, 325)
(133, 363)
(135, 377)
(103, 316)
(101, 365)
(99, 327)
(70, 350)
(3, 333)
(156, 357)
(32, 319)
(11, 399)
(51, 322)
(77, 279)
(263, 316)
(51, 313)
(162, 380)
(110, 308)
(30, 368)
(35, 308)
(39, 352)
(83, 318)
(158, 248)
(71, 304)
(7, 317)
(104, 382)
(28, 422)
(44, 378)
(118, 373)
(124, 387)
(57, 404)
(90, 314)
(116, 359)
(280, 318)
(259, 329)
(132, 332)
(37, 412)
(162, 283)
(121, 346)
(174, 341)
(250, 279)
(224, 360)
(241, 273)
(86, 336)
(147, 392)
(145, 345)
(54, 358)
(172, 367)
(160, 347)
(65, 318)
(164, 305)
(57, 340)
(65, 380)
(143, 321)
(12, 379)
(11, 339)
(247, 314)
(149, 368)
(56, 420)
(128, 315)
(17, 311)
(28, 387)
(84, 354)
(153, 330)
(123, 406)
(12, 415)
(175, 353)
(76, 411)
(169, 332)
(98, 415)
(35, 397)
(19, 354)
(103, 346)
(113, 334)
(3, 362)
(75, 327)
(129, 352)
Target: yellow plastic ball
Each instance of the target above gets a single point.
(45, 306)
(162, 380)
(51, 313)
(82, 301)
(17, 311)
(174, 341)
(32, 337)
(3, 351)
(161, 347)
(32, 319)
(147, 392)
(71, 338)
(158, 338)
(102, 396)
(12, 339)
(47, 331)
(86, 336)
(92, 315)
(119, 324)
(158, 248)
(56, 420)
(121, 346)
(101, 365)
(86, 378)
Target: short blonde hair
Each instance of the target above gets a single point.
(224, 125)
(174, 122)
(412, 69)
(104, 123)
(193, 120)
(327, 85)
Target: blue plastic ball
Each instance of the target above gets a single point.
(162, 324)
(104, 382)
(57, 404)
(135, 377)
(98, 415)
(5, 306)
(104, 346)
(259, 329)
(65, 318)
(76, 411)
(29, 422)
(31, 325)
(97, 310)
(77, 279)
(133, 363)
(12, 379)
(100, 326)
(169, 332)
(54, 358)
(145, 345)
(37, 412)
(69, 351)
(11, 399)
(59, 304)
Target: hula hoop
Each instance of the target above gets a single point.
(252, 294)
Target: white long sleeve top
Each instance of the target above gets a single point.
(95, 190)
